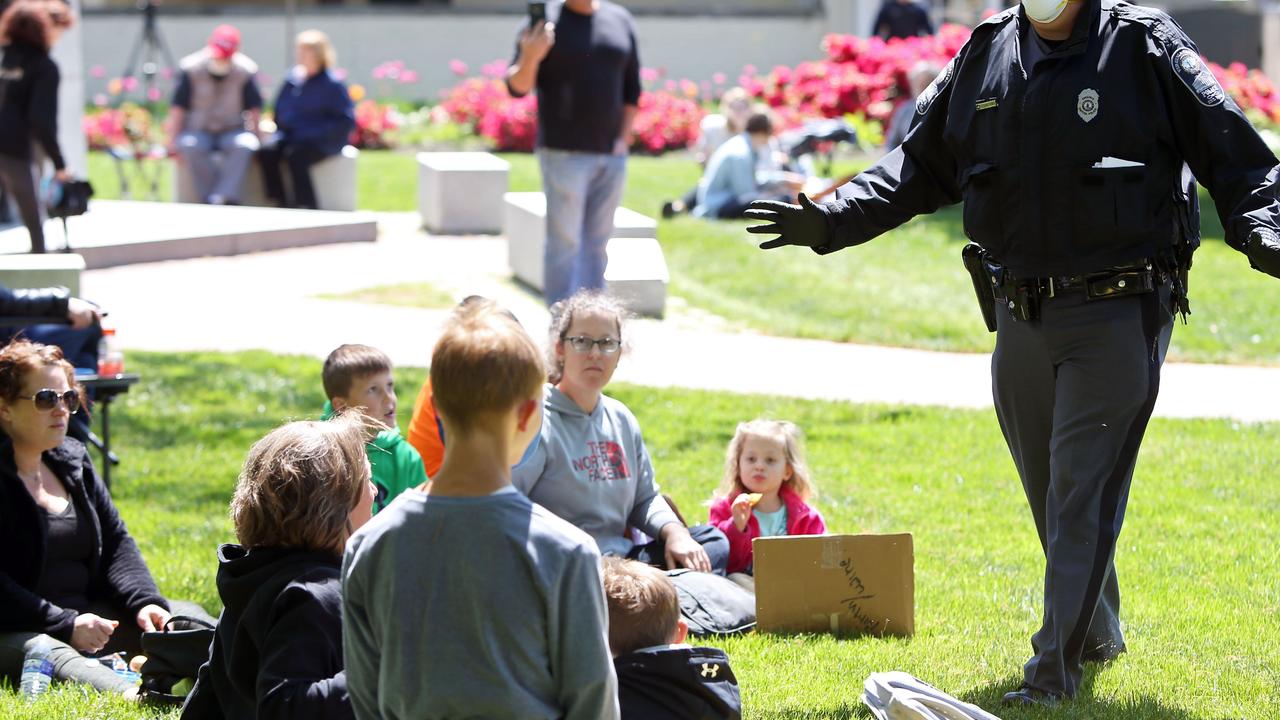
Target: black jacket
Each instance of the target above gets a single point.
(1075, 165)
(119, 576)
(680, 683)
(277, 651)
(29, 103)
(33, 304)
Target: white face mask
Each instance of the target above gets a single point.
(1044, 11)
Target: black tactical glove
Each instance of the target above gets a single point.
(1263, 250)
(804, 224)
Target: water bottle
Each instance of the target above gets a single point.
(37, 670)
(110, 355)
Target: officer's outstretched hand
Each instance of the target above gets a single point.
(804, 224)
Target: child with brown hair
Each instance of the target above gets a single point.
(277, 651)
(503, 615)
(359, 377)
(659, 675)
(765, 489)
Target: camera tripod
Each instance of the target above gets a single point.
(149, 49)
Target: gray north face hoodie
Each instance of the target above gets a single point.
(592, 470)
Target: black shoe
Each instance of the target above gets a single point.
(1104, 654)
(668, 210)
(1027, 696)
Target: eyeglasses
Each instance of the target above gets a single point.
(46, 400)
(583, 344)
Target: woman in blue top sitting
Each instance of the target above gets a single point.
(314, 117)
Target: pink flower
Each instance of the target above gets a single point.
(648, 74)
(457, 67)
(718, 78)
(408, 77)
(340, 74)
(129, 83)
(153, 94)
(98, 71)
(100, 100)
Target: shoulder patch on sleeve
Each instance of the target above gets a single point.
(1197, 76)
(929, 94)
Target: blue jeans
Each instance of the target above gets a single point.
(583, 191)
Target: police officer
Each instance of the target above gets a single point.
(1065, 125)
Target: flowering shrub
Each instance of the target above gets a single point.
(859, 75)
(1251, 89)
(374, 124)
(128, 126)
(666, 120)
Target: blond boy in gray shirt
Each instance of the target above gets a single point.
(472, 601)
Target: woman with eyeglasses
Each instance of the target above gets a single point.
(70, 575)
(590, 465)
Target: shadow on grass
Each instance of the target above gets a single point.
(1085, 707)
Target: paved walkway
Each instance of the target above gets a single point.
(270, 301)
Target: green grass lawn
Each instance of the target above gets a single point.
(904, 289)
(1200, 585)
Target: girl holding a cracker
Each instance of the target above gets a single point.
(765, 489)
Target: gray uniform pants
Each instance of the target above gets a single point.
(21, 178)
(223, 179)
(1073, 393)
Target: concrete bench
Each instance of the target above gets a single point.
(637, 269)
(458, 192)
(637, 274)
(43, 270)
(334, 179)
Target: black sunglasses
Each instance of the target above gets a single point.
(46, 400)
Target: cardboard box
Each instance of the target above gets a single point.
(841, 584)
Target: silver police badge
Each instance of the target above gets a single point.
(1087, 104)
(1197, 77)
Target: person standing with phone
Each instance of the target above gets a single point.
(582, 58)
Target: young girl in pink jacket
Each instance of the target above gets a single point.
(765, 488)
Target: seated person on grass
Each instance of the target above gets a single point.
(359, 377)
(472, 601)
(591, 466)
(71, 576)
(734, 179)
(659, 675)
(277, 651)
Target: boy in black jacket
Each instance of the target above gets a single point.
(659, 676)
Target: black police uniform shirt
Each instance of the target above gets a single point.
(1069, 156)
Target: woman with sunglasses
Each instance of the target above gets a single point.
(590, 465)
(70, 575)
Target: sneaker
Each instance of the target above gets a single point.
(1027, 696)
(668, 210)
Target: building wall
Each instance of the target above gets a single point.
(696, 48)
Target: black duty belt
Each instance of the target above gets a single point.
(1024, 295)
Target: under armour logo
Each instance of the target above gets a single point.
(709, 670)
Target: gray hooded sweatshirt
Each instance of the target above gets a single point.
(593, 470)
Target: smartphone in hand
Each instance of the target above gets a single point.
(537, 12)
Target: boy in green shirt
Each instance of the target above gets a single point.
(359, 377)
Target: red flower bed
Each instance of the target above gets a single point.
(665, 120)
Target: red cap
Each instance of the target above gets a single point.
(224, 41)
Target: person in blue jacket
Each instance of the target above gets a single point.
(314, 117)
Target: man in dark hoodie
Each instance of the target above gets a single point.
(278, 648)
(659, 675)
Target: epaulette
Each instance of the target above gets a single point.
(999, 18)
(1184, 58)
(1157, 23)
